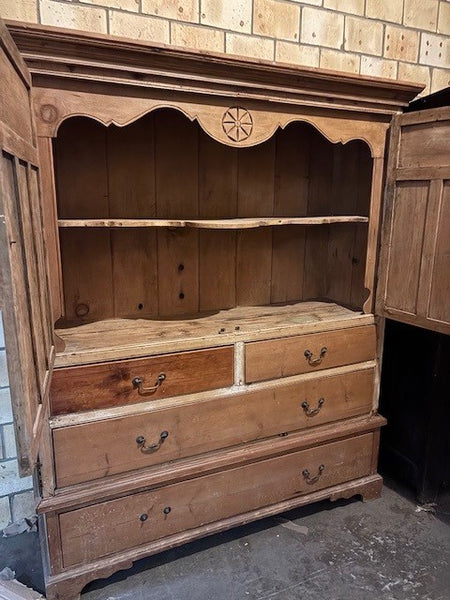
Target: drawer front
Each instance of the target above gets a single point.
(93, 450)
(111, 384)
(282, 357)
(96, 531)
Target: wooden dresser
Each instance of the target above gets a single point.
(190, 246)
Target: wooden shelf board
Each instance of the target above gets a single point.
(244, 223)
(114, 339)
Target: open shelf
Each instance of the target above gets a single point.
(162, 221)
(243, 223)
(113, 339)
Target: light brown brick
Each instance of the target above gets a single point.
(386, 10)
(440, 78)
(201, 38)
(131, 5)
(355, 7)
(444, 18)
(435, 50)
(247, 45)
(276, 19)
(312, 2)
(182, 10)
(236, 16)
(339, 61)
(416, 74)
(297, 54)
(421, 14)
(362, 35)
(139, 27)
(322, 28)
(76, 16)
(378, 67)
(23, 10)
(401, 44)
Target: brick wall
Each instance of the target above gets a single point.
(16, 496)
(403, 39)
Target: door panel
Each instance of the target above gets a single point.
(414, 269)
(24, 296)
(406, 243)
(439, 307)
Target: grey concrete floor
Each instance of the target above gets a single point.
(381, 550)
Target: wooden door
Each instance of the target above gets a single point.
(414, 272)
(24, 295)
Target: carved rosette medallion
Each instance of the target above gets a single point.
(237, 123)
(49, 113)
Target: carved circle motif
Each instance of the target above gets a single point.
(237, 123)
(49, 113)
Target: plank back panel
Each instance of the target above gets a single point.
(165, 166)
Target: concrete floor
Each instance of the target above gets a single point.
(382, 550)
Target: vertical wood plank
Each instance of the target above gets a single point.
(388, 210)
(81, 173)
(43, 297)
(288, 244)
(176, 165)
(39, 339)
(373, 232)
(256, 180)
(176, 172)
(131, 184)
(83, 192)
(17, 323)
(253, 266)
(217, 269)
(178, 271)
(410, 203)
(50, 227)
(431, 235)
(291, 199)
(292, 170)
(218, 173)
(439, 306)
(87, 274)
(218, 170)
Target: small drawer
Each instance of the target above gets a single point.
(96, 531)
(94, 450)
(129, 381)
(270, 359)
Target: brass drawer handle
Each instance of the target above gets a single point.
(310, 412)
(140, 441)
(138, 383)
(307, 475)
(313, 362)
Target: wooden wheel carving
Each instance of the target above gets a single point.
(237, 123)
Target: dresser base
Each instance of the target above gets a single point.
(68, 584)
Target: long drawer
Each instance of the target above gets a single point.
(93, 450)
(96, 531)
(129, 381)
(270, 359)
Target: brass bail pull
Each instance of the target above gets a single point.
(313, 362)
(138, 383)
(310, 412)
(307, 475)
(141, 442)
